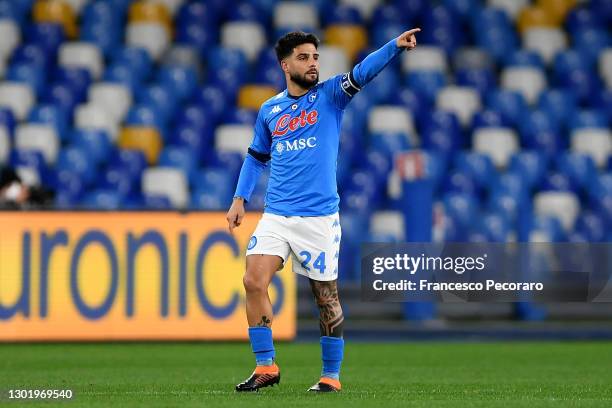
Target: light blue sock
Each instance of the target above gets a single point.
(332, 352)
(262, 345)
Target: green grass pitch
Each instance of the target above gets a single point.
(504, 374)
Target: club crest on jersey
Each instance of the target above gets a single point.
(286, 123)
(312, 97)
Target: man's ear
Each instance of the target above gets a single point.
(284, 66)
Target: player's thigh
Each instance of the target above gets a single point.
(260, 270)
(315, 246)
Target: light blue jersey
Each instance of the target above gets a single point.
(300, 137)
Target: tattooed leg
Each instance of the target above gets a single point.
(259, 272)
(331, 319)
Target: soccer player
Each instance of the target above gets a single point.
(297, 132)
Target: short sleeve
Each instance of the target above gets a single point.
(262, 139)
(341, 89)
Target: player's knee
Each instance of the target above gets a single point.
(253, 284)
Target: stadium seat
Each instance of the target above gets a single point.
(96, 143)
(478, 165)
(525, 58)
(81, 54)
(167, 182)
(511, 7)
(135, 57)
(153, 37)
(534, 16)
(250, 38)
(510, 104)
(425, 57)
(365, 7)
(530, 82)
(461, 207)
(545, 41)
(253, 96)
(391, 223)
(132, 161)
(295, 14)
(334, 61)
(183, 80)
(578, 167)
(461, 100)
(233, 138)
(146, 139)
(594, 142)
(389, 118)
(557, 9)
(560, 204)
(11, 38)
(497, 143)
(483, 80)
(56, 11)
(184, 55)
(114, 98)
(471, 58)
(17, 97)
(30, 74)
(77, 161)
(345, 14)
(459, 181)
(150, 12)
(41, 138)
(90, 116)
(5, 145)
(102, 199)
(605, 66)
(351, 38)
(51, 115)
(426, 83)
(173, 6)
(181, 158)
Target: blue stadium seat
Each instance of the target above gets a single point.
(481, 79)
(240, 116)
(102, 199)
(31, 54)
(246, 11)
(199, 36)
(583, 82)
(157, 202)
(582, 17)
(62, 95)
(136, 58)
(524, 58)
(383, 33)
(209, 201)
(550, 226)
(226, 78)
(161, 96)
(124, 74)
(530, 164)
(488, 118)
(28, 158)
(76, 160)
(378, 163)
(69, 187)
(498, 41)
(96, 142)
(78, 78)
(495, 226)
(591, 41)
(541, 132)
(588, 118)
(183, 80)
(512, 182)
(181, 158)
(426, 83)
(202, 13)
(53, 115)
(117, 179)
(592, 225)
(579, 168)
(7, 120)
(461, 207)
(31, 74)
(383, 15)
(459, 181)
(107, 36)
(559, 103)
(230, 161)
(145, 115)
(220, 57)
(556, 181)
(478, 165)
(47, 35)
(132, 161)
(510, 104)
(389, 143)
(409, 99)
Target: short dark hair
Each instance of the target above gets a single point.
(285, 45)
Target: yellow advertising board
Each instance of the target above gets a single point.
(129, 276)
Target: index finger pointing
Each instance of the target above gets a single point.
(413, 31)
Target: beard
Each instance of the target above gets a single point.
(303, 81)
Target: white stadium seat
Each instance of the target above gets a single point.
(333, 61)
(561, 204)
(5, 145)
(93, 116)
(511, 7)
(2, 67)
(28, 175)
(388, 223)
(114, 98)
(497, 143)
(425, 57)
(248, 37)
(605, 66)
(183, 55)
(527, 80)
(11, 37)
(17, 97)
(168, 182)
(389, 118)
(42, 138)
(290, 14)
(463, 101)
(153, 37)
(545, 41)
(233, 138)
(365, 7)
(471, 58)
(83, 55)
(595, 142)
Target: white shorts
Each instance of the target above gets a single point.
(313, 242)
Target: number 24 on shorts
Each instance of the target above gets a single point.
(319, 263)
